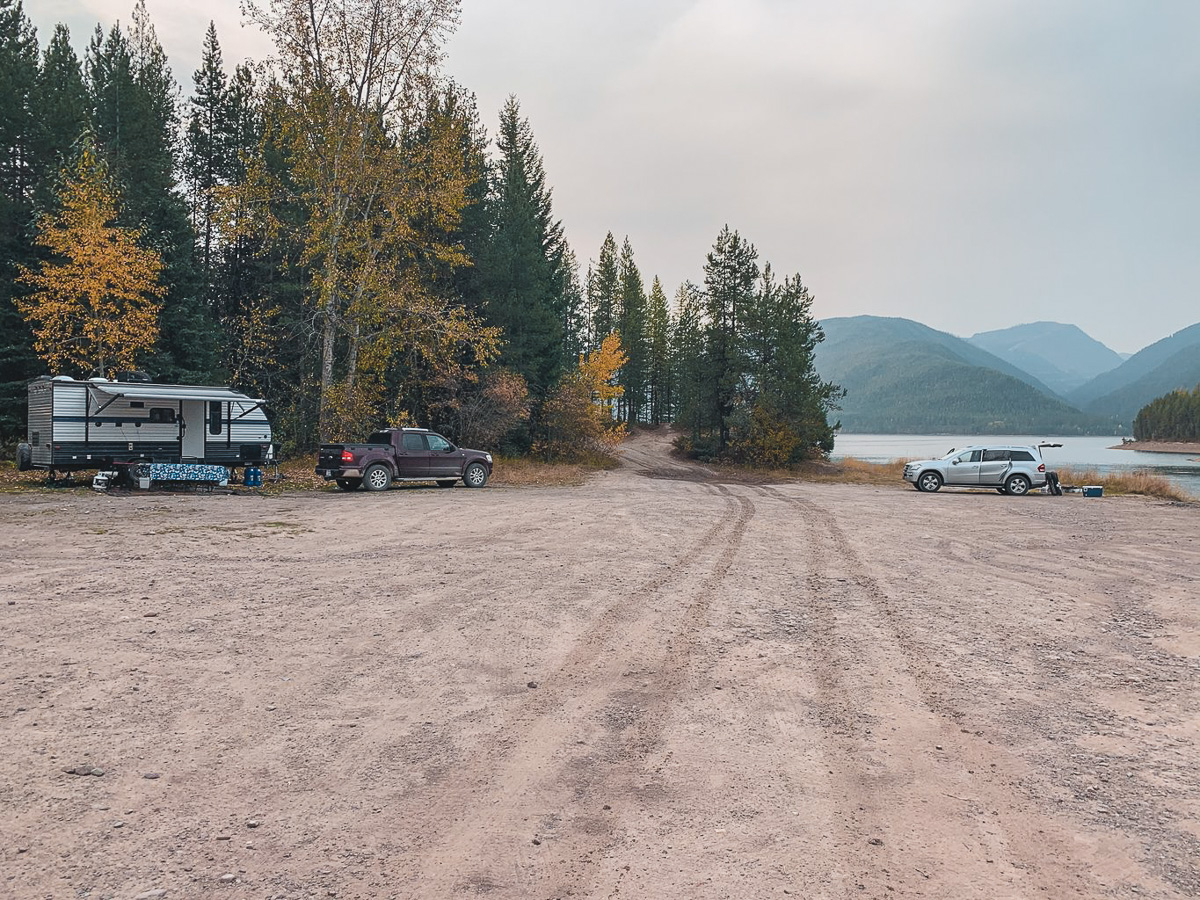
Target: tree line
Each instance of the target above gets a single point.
(337, 232)
(1172, 417)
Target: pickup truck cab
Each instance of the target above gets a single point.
(402, 454)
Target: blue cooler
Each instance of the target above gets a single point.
(1093, 490)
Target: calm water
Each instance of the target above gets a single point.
(1076, 452)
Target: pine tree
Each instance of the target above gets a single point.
(18, 160)
(523, 264)
(658, 347)
(604, 292)
(632, 328)
(134, 116)
(730, 273)
(62, 112)
(690, 364)
(208, 146)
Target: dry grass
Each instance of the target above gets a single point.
(297, 475)
(1146, 484)
(523, 471)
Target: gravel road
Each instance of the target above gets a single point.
(654, 685)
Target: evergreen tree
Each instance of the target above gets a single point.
(604, 292)
(632, 328)
(208, 146)
(62, 112)
(730, 273)
(690, 363)
(523, 263)
(18, 132)
(658, 347)
(134, 117)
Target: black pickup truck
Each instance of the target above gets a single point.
(402, 454)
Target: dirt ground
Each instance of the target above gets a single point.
(654, 685)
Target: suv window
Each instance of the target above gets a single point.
(968, 456)
(995, 455)
(1022, 456)
(414, 442)
(438, 444)
(380, 437)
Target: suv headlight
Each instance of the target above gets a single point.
(488, 456)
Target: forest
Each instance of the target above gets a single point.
(335, 230)
(1172, 417)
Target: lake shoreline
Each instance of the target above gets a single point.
(1181, 447)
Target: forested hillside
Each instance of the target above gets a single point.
(1060, 356)
(1167, 365)
(338, 232)
(903, 377)
(1173, 417)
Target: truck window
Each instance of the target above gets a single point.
(414, 443)
(437, 443)
(380, 437)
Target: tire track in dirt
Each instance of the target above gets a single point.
(857, 634)
(614, 688)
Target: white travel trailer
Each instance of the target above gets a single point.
(96, 424)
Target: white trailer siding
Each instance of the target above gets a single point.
(91, 422)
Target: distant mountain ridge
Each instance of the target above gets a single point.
(905, 377)
(1061, 356)
(1164, 366)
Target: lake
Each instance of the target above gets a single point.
(1075, 452)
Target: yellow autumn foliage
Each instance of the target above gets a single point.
(579, 414)
(95, 303)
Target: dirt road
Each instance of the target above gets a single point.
(656, 685)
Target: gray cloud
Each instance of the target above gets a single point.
(971, 165)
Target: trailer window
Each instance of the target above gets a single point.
(136, 404)
(163, 415)
(214, 416)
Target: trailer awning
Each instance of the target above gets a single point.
(170, 392)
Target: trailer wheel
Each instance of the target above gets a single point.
(24, 457)
(349, 484)
(377, 477)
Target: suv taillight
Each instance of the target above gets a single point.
(1042, 467)
(347, 456)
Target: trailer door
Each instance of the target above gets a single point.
(193, 429)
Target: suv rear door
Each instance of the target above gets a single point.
(412, 456)
(994, 467)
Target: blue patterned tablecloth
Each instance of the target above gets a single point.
(181, 472)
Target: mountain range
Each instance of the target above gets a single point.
(1040, 378)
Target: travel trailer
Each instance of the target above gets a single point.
(97, 424)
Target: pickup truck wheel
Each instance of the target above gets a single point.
(377, 477)
(929, 482)
(1017, 485)
(349, 484)
(446, 482)
(476, 476)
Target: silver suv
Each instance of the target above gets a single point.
(1008, 469)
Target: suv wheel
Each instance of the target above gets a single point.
(377, 477)
(475, 476)
(1017, 485)
(929, 482)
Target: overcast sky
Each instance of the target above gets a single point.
(971, 165)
